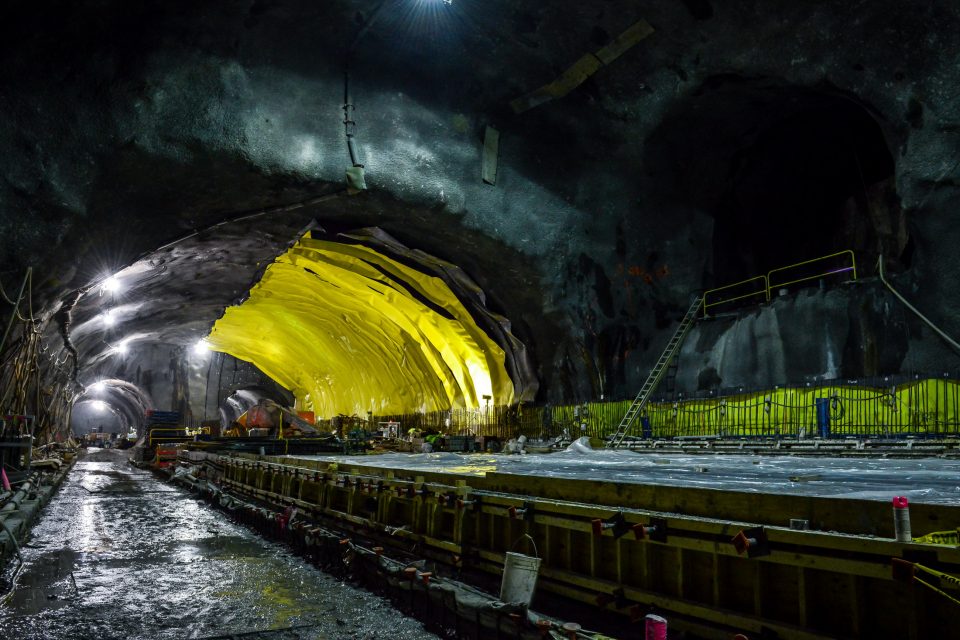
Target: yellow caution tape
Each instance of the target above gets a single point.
(940, 591)
(940, 537)
(945, 577)
(906, 571)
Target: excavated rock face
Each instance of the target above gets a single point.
(735, 137)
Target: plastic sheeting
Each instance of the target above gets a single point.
(498, 327)
(349, 330)
(930, 480)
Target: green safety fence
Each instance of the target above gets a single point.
(928, 407)
(923, 407)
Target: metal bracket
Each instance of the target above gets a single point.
(525, 512)
(656, 531)
(753, 542)
(463, 503)
(618, 525)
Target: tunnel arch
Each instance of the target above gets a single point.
(356, 322)
(91, 415)
(127, 402)
(787, 172)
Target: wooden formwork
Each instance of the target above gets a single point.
(628, 549)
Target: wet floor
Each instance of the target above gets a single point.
(120, 554)
(929, 480)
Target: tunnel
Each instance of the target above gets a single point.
(110, 406)
(788, 174)
(366, 325)
(429, 319)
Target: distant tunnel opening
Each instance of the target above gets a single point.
(110, 406)
(788, 174)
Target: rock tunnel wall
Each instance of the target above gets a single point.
(130, 125)
(854, 331)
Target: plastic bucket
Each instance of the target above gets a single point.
(656, 628)
(519, 578)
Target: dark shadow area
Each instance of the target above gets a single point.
(788, 173)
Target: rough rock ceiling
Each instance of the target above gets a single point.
(128, 125)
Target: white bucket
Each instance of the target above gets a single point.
(519, 578)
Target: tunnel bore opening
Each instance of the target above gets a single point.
(110, 406)
(787, 173)
(95, 416)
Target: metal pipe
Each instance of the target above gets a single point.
(349, 125)
(14, 503)
(13, 539)
(940, 332)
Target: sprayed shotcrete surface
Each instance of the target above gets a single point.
(119, 554)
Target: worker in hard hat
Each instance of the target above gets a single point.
(436, 441)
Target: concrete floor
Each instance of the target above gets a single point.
(929, 480)
(119, 554)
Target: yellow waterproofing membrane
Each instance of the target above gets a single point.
(923, 406)
(348, 330)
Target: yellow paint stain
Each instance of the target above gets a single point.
(470, 470)
(283, 602)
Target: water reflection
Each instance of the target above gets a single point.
(118, 554)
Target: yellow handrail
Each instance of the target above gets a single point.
(768, 284)
(765, 290)
(852, 267)
(151, 439)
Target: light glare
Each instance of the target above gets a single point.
(111, 284)
(201, 347)
(108, 318)
(98, 387)
(99, 406)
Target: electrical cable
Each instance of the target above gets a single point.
(13, 538)
(16, 307)
(916, 311)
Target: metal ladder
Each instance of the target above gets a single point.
(671, 350)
